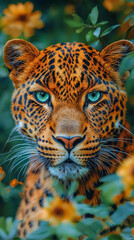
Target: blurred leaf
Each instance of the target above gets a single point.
(3, 224)
(76, 21)
(111, 187)
(128, 17)
(97, 32)
(100, 211)
(93, 16)
(110, 178)
(115, 237)
(108, 30)
(83, 208)
(73, 188)
(8, 228)
(59, 187)
(66, 230)
(79, 198)
(126, 234)
(41, 233)
(90, 227)
(89, 36)
(131, 20)
(79, 30)
(7, 192)
(127, 63)
(101, 23)
(122, 213)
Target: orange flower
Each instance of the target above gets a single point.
(126, 171)
(14, 183)
(20, 18)
(2, 173)
(60, 210)
(132, 231)
(113, 5)
(69, 9)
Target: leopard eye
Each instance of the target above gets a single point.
(42, 97)
(94, 97)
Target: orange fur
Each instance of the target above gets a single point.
(68, 72)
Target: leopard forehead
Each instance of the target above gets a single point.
(66, 67)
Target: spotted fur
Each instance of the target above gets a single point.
(68, 72)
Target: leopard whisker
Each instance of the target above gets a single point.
(125, 129)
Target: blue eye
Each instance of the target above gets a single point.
(41, 96)
(93, 97)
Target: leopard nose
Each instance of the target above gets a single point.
(69, 142)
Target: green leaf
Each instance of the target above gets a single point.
(67, 230)
(93, 16)
(75, 22)
(13, 230)
(79, 198)
(115, 237)
(111, 187)
(110, 178)
(89, 36)
(131, 22)
(108, 30)
(3, 224)
(128, 17)
(126, 234)
(73, 188)
(59, 187)
(122, 213)
(43, 232)
(101, 23)
(90, 227)
(3, 235)
(97, 32)
(100, 211)
(79, 30)
(82, 208)
(127, 63)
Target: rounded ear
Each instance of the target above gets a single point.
(17, 56)
(115, 52)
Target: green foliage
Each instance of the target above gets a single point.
(111, 187)
(8, 229)
(127, 64)
(95, 30)
(101, 217)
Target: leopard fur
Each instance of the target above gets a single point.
(73, 136)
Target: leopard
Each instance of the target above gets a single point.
(69, 100)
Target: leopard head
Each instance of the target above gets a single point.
(68, 98)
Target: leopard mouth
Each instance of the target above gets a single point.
(68, 170)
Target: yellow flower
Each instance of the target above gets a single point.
(113, 5)
(126, 171)
(60, 210)
(21, 18)
(2, 173)
(14, 183)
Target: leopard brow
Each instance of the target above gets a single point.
(37, 87)
(98, 87)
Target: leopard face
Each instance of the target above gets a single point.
(70, 99)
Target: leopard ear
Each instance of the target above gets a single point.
(113, 55)
(17, 56)
(115, 52)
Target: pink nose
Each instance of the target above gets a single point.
(69, 142)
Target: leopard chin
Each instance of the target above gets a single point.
(68, 171)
